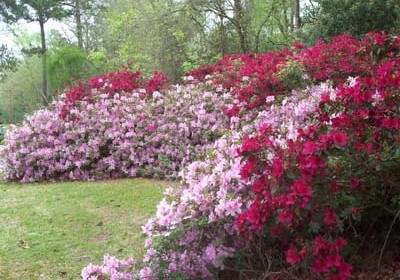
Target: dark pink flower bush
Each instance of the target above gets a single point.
(110, 84)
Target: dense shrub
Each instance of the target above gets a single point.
(343, 162)
(114, 134)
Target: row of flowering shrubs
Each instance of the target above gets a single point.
(113, 133)
(309, 171)
(301, 174)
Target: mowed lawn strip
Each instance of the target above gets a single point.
(53, 230)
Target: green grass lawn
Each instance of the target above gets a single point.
(52, 231)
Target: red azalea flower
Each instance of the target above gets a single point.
(247, 168)
(340, 242)
(259, 185)
(338, 138)
(330, 218)
(355, 184)
(309, 148)
(344, 270)
(300, 188)
(319, 266)
(333, 260)
(292, 256)
(277, 168)
(285, 217)
(249, 144)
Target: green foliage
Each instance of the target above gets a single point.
(198, 54)
(355, 17)
(65, 64)
(97, 59)
(32, 10)
(20, 92)
(291, 74)
(148, 35)
(177, 36)
(39, 11)
(8, 61)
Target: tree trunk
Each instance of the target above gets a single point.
(45, 97)
(239, 24)
(296, 14)
(222, 35)
(78, 21)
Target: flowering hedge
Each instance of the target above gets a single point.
(300, 170)
(115, 134)
(310, 165)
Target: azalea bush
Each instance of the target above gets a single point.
(341, 164)
(112, 133)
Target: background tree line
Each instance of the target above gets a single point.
(174, 36)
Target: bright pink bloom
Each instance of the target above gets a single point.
(330, 218)
(300, 188)
(338, 138)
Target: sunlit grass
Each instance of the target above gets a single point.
(51, 231)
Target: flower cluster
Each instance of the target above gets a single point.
(249, 77)
(192, 232)
(112, 269)
(110, 84)
(197, 221)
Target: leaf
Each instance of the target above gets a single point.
(22, 244)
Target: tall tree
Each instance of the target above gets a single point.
(84, 14)
(296, 21)
(39, 11)
(234, 13)
(78, 21)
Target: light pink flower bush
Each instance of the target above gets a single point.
(193, 232)
(29, 151)
(122, 135)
